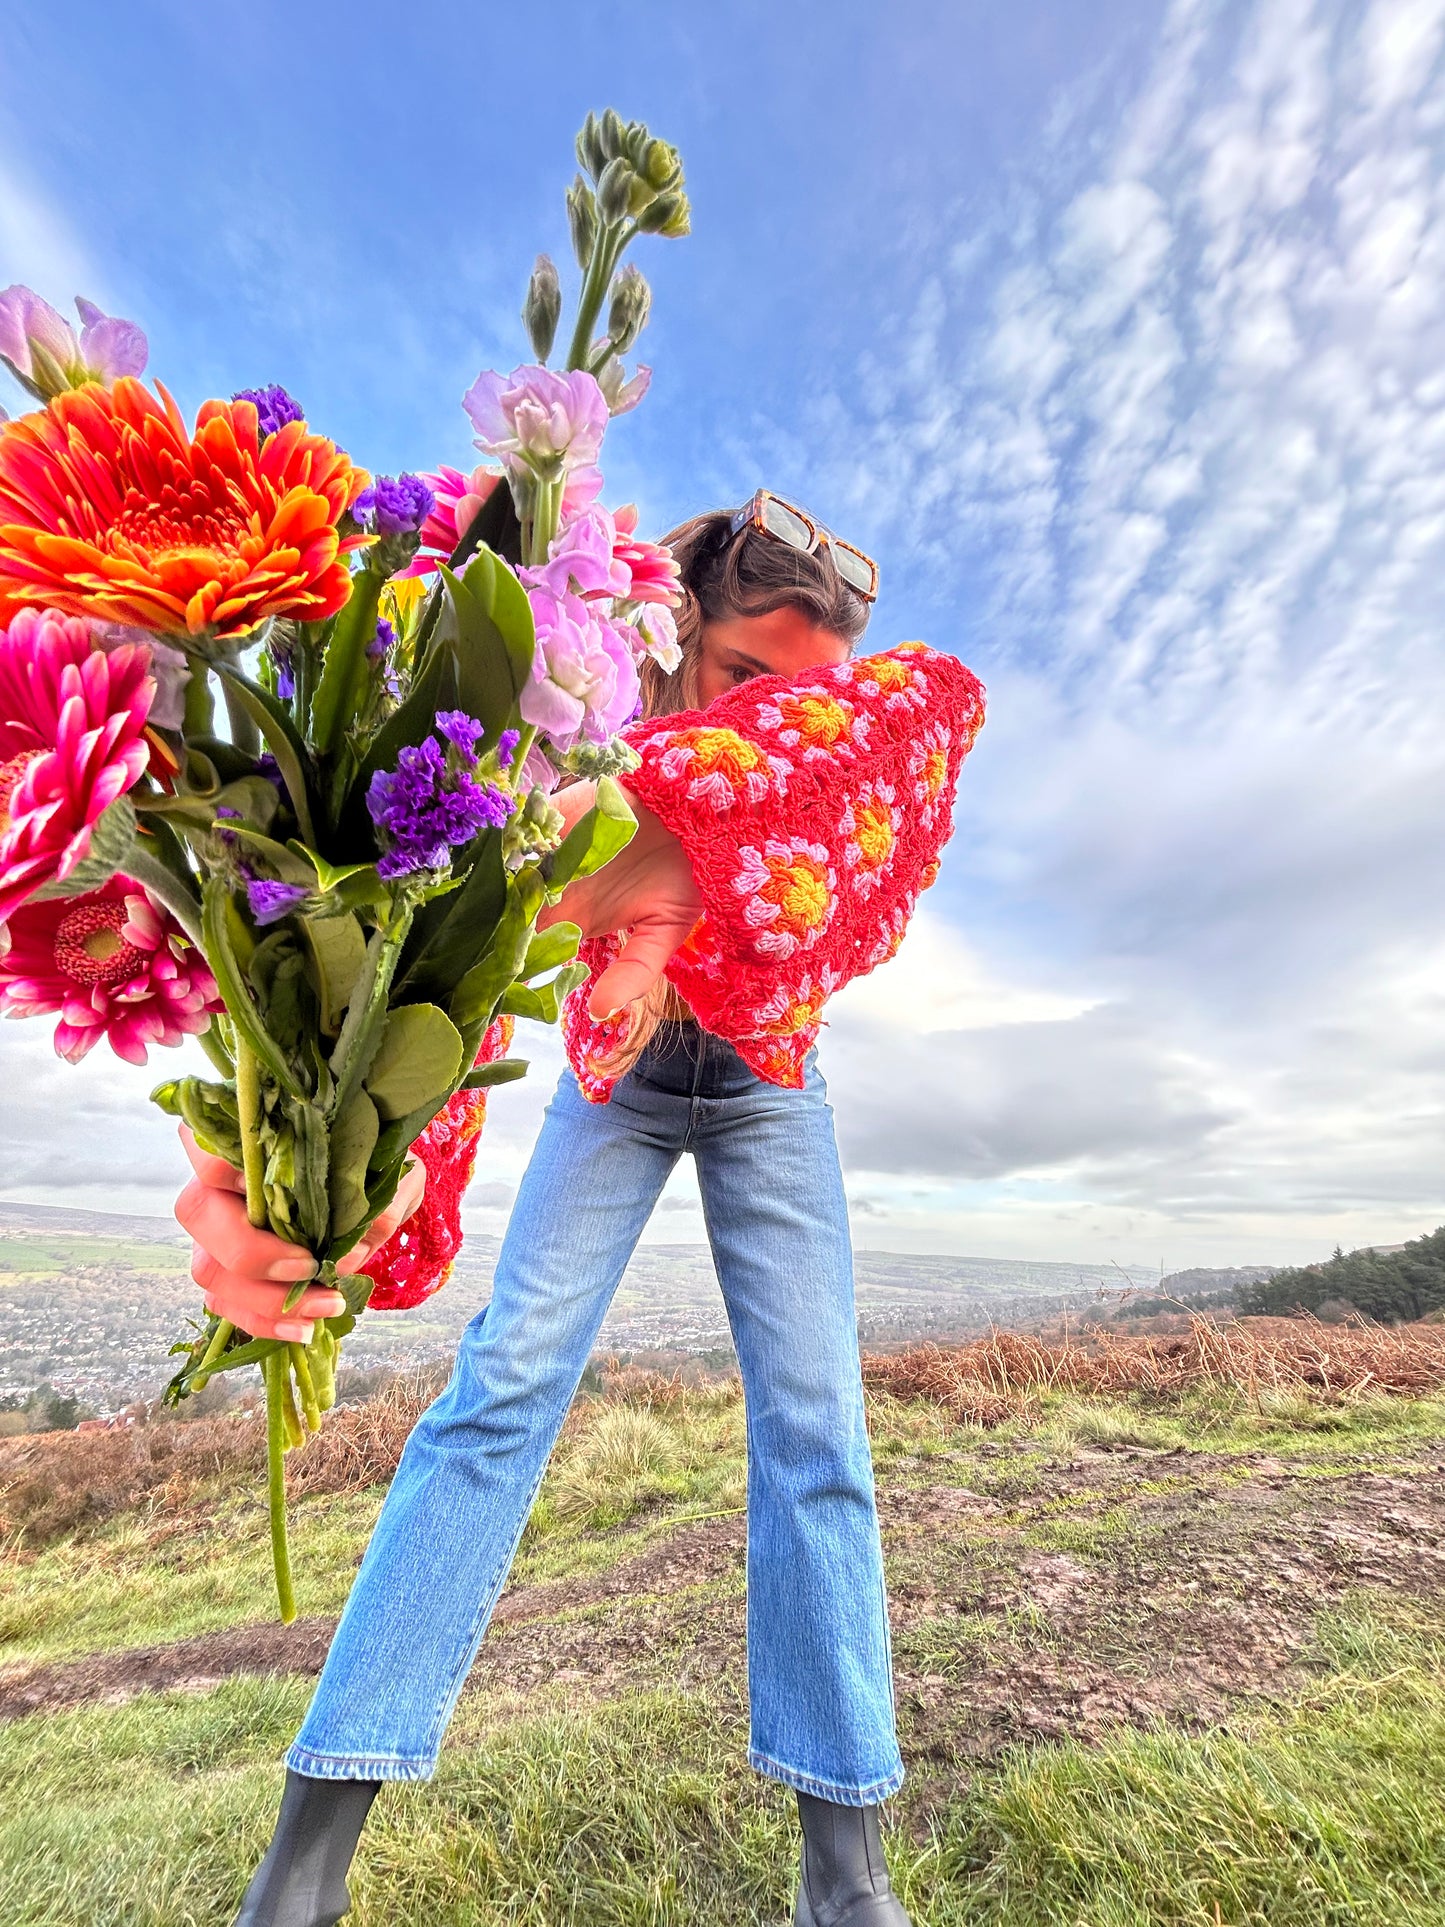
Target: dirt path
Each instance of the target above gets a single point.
(692, 1555)
(1109, 1589)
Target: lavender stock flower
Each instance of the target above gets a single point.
(274, 407)
(425, 809)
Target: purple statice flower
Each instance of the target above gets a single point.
(425, 808)
(280, 651)
(507, 747)
(383, 642)
(228, 839)
(270, 901)
(267, 766)
(274, 407)
(394, 505)
(462, 731)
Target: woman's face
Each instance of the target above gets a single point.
(785, 642)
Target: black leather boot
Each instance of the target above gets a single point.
(302, 1880)
(844, 1880)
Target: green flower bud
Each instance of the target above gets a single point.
(635, 141)
(631, 304)
(543, 307)
(613, 135)
(614, 189)
(582, 219)
(590, 153)
(669, 215)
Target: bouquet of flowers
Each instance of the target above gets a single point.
(277, 740)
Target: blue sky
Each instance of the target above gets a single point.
(1113, 331)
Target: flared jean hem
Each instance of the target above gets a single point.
(843, 1796)
(392, 1766)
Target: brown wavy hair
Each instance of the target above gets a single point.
(725, 576)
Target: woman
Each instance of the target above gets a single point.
(748, 818)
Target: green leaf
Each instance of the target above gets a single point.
(549, 948)
(353, 1139)
(450, 933)
(282, 738)
(328, 875)
(476, 997)
(543, 1002)
(289, 867)
(112, 838)
(512, 613)
(593, 840)
(502, 1070)
(419, 1055)
(227, 943)
(485, 685)
(336, 951)
(344, 673)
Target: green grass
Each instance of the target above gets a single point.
(641, 1813)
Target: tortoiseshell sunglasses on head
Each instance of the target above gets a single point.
(786, 522)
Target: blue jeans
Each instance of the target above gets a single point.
(819, 1654)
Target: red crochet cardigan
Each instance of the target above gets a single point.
(813, 811)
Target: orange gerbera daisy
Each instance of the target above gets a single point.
(110, 508)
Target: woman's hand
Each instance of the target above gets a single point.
(245, 1272)
(647, 889)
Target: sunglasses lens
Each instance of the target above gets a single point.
(785, 525)
(855, 569)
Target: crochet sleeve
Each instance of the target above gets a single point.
(813, 811)
(417, 1258)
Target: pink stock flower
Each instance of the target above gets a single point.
(653, 568)
(583, 558)
(113, 965)
(459, 500)
(623, 396)
(584, 680)
(537, 421)
(72, 718)
(42, 348)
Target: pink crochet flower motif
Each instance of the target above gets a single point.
(928, 769)
(815, 721)
(898, 685)
(72, 721)
(796, 1006)
(870, 824)
(721, 767)
(789, 887)
(113, 965)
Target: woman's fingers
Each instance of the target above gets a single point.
(408, 1196)
(208, 1167)
(256, 1305)
(217, 1220)
(642, 960)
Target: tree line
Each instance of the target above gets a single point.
(1387, 1286)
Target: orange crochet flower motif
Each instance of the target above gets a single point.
(110, 508)
(899, 684)
(789, 888)
(814, 721)
(723, 768)
(797, 1007)
(871, 826)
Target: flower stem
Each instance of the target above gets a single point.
(248, 1108)
(276, 1373)
(310, 1408)
(220, 1338)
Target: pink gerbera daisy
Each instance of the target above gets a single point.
(655, 573)
(113, 965)
(72, 718)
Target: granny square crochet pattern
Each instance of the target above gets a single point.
(813, 811)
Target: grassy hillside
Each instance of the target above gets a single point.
(1168, 1657)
